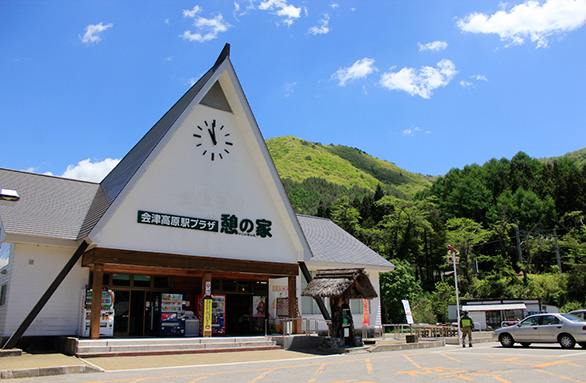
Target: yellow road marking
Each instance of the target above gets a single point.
(369, 370)
(412, 361)
(261, 376)
(318, 372)
(560, 376)
(449, 357)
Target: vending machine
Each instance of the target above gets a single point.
(106, 314)
(169, 314)
(218, 313)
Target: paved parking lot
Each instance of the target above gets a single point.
(486, 362)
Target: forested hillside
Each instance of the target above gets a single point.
(508, 218)
(317, 175)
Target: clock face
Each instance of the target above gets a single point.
(213, 139)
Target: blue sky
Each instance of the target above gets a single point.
(427, 85)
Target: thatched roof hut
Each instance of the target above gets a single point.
(350, 283)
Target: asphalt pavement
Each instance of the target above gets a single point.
(28, 365)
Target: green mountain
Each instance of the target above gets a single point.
(579, 156)
(316, 175)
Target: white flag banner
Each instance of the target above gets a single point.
(407, 311)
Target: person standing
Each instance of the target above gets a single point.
(467, 326)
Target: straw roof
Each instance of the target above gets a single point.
(351, 283)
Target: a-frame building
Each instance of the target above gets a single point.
(196, 207)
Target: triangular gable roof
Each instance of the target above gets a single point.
(206, 91)
(113, 184)
(329, 243)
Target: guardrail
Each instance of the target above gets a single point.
(421, 330)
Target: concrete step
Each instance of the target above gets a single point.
(163, 346)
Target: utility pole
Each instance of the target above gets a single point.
(452, 253)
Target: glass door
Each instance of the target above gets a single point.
(121, 312)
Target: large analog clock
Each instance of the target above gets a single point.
(213, 139)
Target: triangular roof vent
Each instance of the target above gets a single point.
(216, 98)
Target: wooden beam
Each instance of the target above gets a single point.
(292, 295)
(167, 272)
(96, 311)
(186, 262)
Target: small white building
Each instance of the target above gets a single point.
(195, 207)
(491, 313)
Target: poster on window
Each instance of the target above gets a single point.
(258, 306)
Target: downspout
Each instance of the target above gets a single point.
(318, 300)
(15, 338)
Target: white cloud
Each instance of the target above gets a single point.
(93, 32)
(433, 46)
(467, 84)
(472, 84)
(323, 28)
(411, 131)
(87, 171)
(529, 20)
(359, 69)
(207, 29)
(420, 82)
(280, 7)
(191, 13)
(290, 88)
(334, 5)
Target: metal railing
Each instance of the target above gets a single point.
(420, 330)
(306, 326)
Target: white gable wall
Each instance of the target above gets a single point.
(180, 180)
(28, 282)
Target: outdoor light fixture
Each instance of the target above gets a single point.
(9, 195)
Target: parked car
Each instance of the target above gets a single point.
(579, 313)
(565, 329)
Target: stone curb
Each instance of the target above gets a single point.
(45, 371)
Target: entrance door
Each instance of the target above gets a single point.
(121, 312)
(137, 313)
(238, 314)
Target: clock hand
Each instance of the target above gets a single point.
(212, 133)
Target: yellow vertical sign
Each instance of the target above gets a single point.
(207, 316)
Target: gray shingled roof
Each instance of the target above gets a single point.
(113, 184)
(330, 243)
(50, 207)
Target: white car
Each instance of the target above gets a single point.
(565, 329)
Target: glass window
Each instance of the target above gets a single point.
(549, 320)
(142, 281)
(121, 280)
(3, 294)
(228, 285)
(356, 306)
(244, 287)
(531, 321)
(5, 251)
(161, 282)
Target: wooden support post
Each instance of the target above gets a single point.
(206, 288)
(96, 311)
(292, 295)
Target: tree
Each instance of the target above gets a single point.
(464, 234)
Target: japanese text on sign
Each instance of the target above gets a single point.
(160, 219)
(228, 224)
